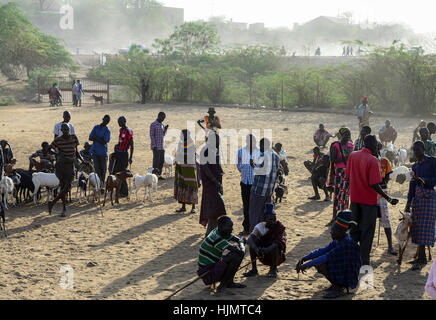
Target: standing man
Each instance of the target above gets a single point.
(359, 143)
(245, 167)
(79, 92)
(57, 128)
(363, 113)
(144, 89)
(100, 136)
(212, 122)
(265, 174)
(66, 150)
(121, 157)
(157, 134)
(422, 199)
(74, 90)
(6, 156)
(363, 170)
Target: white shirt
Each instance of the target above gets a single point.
(260, 230)
(57, 128)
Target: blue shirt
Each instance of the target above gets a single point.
(425, 170)
(244, 167)
(104, 134)
(320, 256)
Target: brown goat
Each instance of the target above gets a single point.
(114, 182)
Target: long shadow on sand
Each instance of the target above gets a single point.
(312, 206)
(42, 218)
(140, 229)
(178, 255)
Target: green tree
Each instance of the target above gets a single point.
(189, 40)
(251, 60)
(21, 44)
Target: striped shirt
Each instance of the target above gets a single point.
(212, 247)
(66, 147)
(265, 174)
(126, 135)
(247, 171)
(157, 133)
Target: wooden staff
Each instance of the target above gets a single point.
(200, 277)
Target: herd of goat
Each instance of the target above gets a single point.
(25, 186)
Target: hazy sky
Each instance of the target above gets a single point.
(419, 14)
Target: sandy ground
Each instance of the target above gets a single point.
(146, 251)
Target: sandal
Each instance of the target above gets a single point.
(251, 273)
(334, 293)
(314, 198)
(192, 210)
(392, 251)
(272, 274)
(181, 210)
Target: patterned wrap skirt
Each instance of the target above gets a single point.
(341, 198)
(423, 217)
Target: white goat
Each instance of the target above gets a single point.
(168, 165)
(402, 156)
(42, 179)
(7, 188)
(400, 171)
(94, 185)
(390, 153)
(149, 181)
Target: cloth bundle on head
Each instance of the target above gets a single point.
(343, 130)
(343, 219)
(365, 99)
(269, 209)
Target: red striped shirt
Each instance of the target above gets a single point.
(126, 135)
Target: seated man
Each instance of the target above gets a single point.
(86, 152)
(268, 243)
(46, 159)
(317, 156)
(278, 148)
(387, 133)
(87, 157)
(339, 262)
(213, 266)
(319, 177)
(321, 136)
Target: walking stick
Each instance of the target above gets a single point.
(200, 277)
(378, 238)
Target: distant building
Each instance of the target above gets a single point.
(326, 27)
(257, 27)
(174, 17)
(241, 26)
